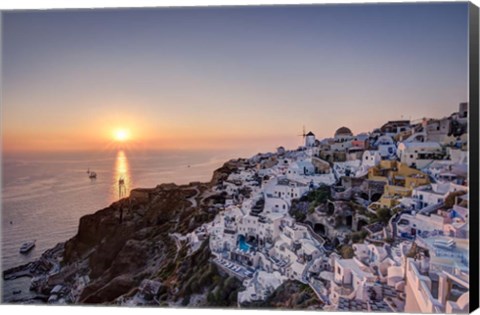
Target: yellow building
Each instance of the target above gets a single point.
(399, 178)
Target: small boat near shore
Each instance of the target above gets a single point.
(26, 247)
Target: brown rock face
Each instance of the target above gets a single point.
(109, 251)
(119, 254)
(92, 229)
(116, 287)
(222, 173)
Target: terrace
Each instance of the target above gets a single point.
(234, 269)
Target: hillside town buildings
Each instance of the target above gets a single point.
(383, 227)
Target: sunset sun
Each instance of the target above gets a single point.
(121, 135)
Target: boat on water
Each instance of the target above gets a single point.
(92, 175)
(26, 247)
(121, 181)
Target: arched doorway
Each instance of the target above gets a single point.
(348, 220)
(319, 228)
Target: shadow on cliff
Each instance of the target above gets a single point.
(129, 241)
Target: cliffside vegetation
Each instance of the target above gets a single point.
(134, 239)
(291, 294)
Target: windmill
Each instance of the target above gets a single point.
(304, 134)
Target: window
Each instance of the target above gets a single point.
(338, 270)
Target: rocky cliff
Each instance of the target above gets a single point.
(290, 295)
(120, 248)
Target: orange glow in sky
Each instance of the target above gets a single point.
(76, 80)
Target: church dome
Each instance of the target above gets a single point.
(343, 131)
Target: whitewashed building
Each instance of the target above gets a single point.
(310, 140)
(419, 154)
(386, 147)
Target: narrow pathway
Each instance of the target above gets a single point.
(192, 199)
(178, 244)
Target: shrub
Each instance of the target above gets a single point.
(358, 237)
(211, 298)
(347, 252)
(383, 214)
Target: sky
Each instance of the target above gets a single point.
(226, 77)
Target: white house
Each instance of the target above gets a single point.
(310, 139)
(434, 193)
(386, 147)
(409, 225)
(348, 168)
(276, 205)
(371, 158)
(302, 167)
(451, 286)
(351, 279)
(419, 154)
(288, 189)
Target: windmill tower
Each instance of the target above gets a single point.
(308, 138)
(304, 134)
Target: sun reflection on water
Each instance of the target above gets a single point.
(122, 177)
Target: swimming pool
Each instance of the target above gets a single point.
(242, 244)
